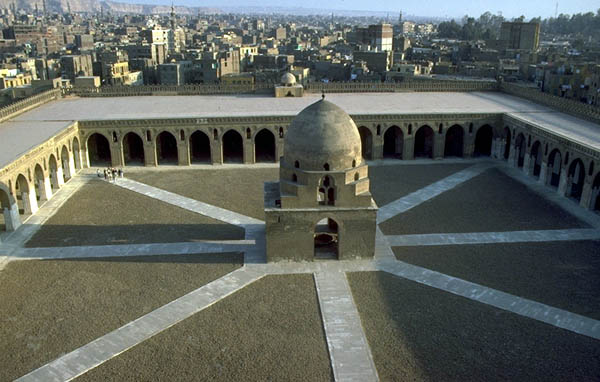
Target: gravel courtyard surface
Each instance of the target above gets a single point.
(565, 275)
(423, 334)
(390, 182)
(268, 331)
(51, 307)
(239, 190)
(489, 202)
(101, 214)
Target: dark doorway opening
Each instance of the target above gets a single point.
(98, 150)
(199, 148)
(233, 147)
(483, 141)
(264, 146)
(166, 148)
(133, 149)
(453, 146)
(393, 143)
(424, 142)
(326, 239)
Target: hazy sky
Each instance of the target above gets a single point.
(441, 8)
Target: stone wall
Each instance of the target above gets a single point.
(405, 86)
(14, 109)
(578, 109)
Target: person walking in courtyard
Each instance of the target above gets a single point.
(105, 175)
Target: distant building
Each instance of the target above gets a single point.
(379, 37)
(376, 61)
(75, 66)
(84, 41)
(524, 36)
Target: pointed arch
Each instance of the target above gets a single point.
(393, 142)
(366, 142)
(166, 149)
(424, 142)
(536, 158)
(98, 150)
(483, 141)
(576, 179)
(326, 239)
(65, 162)
(233, 147)
(453, 145)
(199, 147)
(133, 149)
(264, 146)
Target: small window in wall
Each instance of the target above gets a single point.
(546, 150)
(281, 132)
(567, 158)
(45, 167)
(356, 176)
(470, 128)
(248, 133)
(591, 168)
(326, 166)
(409, 129)
(353, 163)
(297, 164)
(114, 136)
(294, 178)
(440, 128)
(529, 141)
(378, 129)
(215, 134)
(148, 136)
(182, 135)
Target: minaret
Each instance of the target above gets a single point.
(400, 18)
(173, 24)
(68, 8)
(44, 7)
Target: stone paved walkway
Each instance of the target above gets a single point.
(351, 358)
(133, 250)
(493, 237)
(350, 354)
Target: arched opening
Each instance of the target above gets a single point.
(483, 141)
(366, 142)
(424, 142)
(507, 142)
(98, 150)
(596, 193)
(23, 196)
(326, 192)
(294, 178)
(54, 184)
(65, 163)
(264, 146)
(536, 158)
(133, 149)
(166, 148)
(453, 146)
(520, 148)
(297, 164)
(40, 184)
(326, 239)
(576, 178)
(393, 143)
(199, 147)
(326, 167)
(554, 168)
(233, 147)
(5, 207)
(76, 154)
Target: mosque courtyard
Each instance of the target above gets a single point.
(480, 273)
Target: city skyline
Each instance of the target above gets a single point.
(433, 8)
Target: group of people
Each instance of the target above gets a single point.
(111, 174)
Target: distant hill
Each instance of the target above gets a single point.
(107, 6)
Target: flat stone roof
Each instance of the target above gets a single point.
(17, 138)
(36, 126)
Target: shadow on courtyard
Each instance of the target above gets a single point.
(51, 235)
(421, 333)
(230, 257)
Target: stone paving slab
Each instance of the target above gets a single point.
(349, 350)
(133, 250)
(492, 237)
(188, 204)
(116, 342)
(414, 199)
(524, 307)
